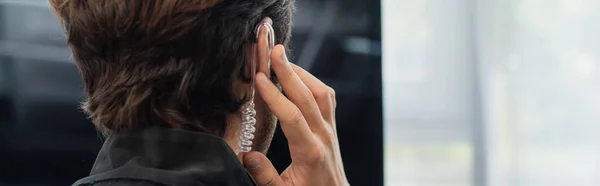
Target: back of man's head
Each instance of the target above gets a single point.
(165, 62)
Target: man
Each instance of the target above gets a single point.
(165, 81)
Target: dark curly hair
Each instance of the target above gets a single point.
(165, 62)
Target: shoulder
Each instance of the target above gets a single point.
(120, 182)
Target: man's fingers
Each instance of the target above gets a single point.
(293, 124)
(261, 169)
(294, 88)
(324, 95)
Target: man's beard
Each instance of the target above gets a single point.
(265, 130)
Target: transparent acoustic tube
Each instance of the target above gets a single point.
(248, 111)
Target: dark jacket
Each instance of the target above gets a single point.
(162, 156)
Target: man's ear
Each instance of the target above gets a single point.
(258, 55)
(265, 42)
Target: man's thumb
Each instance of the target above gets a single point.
(261, 169)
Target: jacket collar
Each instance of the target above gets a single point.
(167, 156)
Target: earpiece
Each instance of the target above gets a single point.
(270, 38)
(248, 111)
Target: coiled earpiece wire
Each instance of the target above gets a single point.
(248, 112)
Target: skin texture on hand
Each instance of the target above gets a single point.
(307, 118)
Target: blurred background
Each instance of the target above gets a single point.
(430, 92)
(491, 92)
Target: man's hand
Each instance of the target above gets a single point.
(307, 117)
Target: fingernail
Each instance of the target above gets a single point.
(253, 163)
